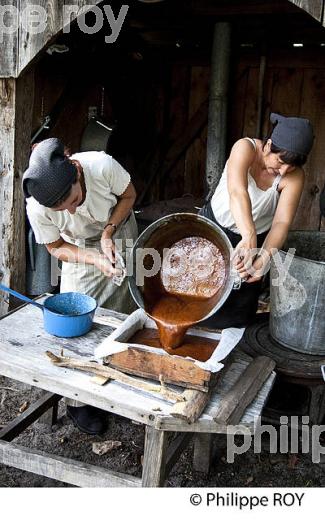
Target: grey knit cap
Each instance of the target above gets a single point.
(50, 174)
(293, 134)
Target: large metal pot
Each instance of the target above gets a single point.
(297, 314)
(163, 234)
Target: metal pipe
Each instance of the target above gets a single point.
(217, 122)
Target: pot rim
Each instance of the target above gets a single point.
(146, 234)
(57, 296)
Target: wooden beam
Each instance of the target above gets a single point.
(20, 47)
(313, 7)
(36, 410)
(179, 146)
(154, 459)
(16, 101)
(244, 391)
(60, 468)
(202, 452)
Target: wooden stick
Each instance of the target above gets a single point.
(194, 403)
(111, 373)
(244, 390)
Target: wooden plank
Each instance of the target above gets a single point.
(25, 361)
(205, 424)
(238, 102)
(250, 116)
(312, 7)
(234, 404)
(9, 50)
(31, 44)
(62, 469)
(112, 374)
(178, 114)
(36, 410)
(16, 100)
(250, 7)
(202, 452)
(195, 163)
(182, 143)
(313, 106)
(193, 406)
(154, 459)
(23, 344)
(182, 372)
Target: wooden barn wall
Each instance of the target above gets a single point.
(294, 85)
(156, 104)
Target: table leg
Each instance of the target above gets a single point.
(154, 459)
(50, 418)
(202, 452)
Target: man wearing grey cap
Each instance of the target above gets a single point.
(255, 203)
(76, 206)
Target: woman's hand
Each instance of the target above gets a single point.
(244, 254)
(257, 270)
(107, 244)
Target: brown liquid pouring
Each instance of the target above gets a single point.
(186, 288)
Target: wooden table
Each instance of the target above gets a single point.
(23, 344)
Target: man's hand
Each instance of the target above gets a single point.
(105, 266)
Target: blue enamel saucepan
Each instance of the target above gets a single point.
(66, 315)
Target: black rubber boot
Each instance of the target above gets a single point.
(88, 419)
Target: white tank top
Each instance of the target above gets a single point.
(264, 202)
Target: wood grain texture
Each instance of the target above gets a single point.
(312, 7)
(65, 470)
(193, 406)
(244, 390)
(176, 371)
(202, 452)
(154, 459)
(33, 412)
(16, 102)
(23, 344)
(21, 47)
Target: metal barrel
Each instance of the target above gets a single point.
(297, 293)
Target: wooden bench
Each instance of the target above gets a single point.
(23, 344)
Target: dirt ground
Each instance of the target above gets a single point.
(250, 470)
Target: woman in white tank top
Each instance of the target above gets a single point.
(255, 203)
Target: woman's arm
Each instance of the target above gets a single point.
(283, 218)
(241, 158)
(71, 253)
(120, 212)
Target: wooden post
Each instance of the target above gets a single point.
(202, 452)
(154, 459)
(16, 105)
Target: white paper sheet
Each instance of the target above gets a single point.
(229, 339)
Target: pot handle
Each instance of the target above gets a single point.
(237, 281)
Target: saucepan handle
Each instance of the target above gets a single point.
(323, 371)
(237, 281)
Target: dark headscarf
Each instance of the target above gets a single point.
(50, 174)
(293, 134)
